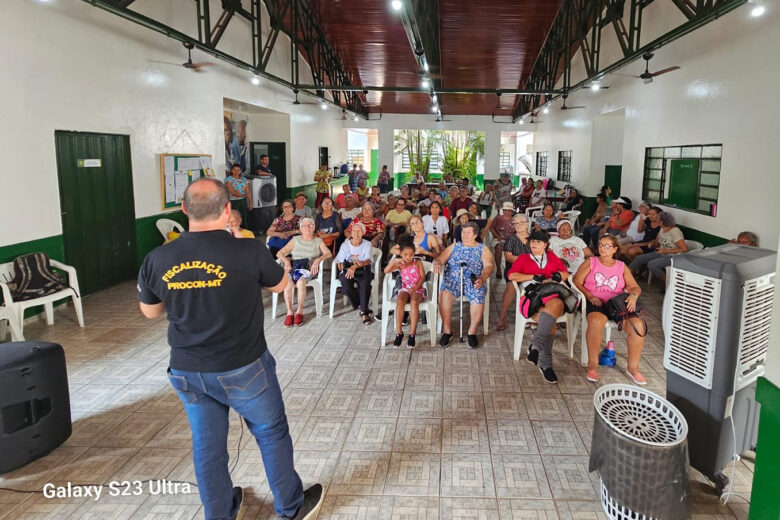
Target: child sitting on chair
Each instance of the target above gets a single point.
(412, 288)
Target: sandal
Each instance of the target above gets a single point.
(367, 318)
(501, 326)
(592, 376)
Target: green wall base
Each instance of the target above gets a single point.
(764, 501)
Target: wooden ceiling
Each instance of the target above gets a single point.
(483, 44)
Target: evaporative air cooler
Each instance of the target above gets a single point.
(716, 319)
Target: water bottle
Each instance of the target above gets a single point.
(607, 356)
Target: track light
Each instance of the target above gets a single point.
(596, 86)
(425, 66)
(324, 105)
(435, 99)
(397, 5)
(425, 83)
(255, 80)
(520, 121)
(545, 110)
(355, 118)
(758, 10)
(434, 108)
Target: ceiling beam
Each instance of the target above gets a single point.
(546, 71)
(423, 90)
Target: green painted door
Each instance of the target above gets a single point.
(98, 212)
(684, 183)
(612, 177)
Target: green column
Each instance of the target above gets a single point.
(373, 174)
(764, 501)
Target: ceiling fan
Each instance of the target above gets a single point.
(648, 76)
(297, 101)
(498, 102)
(189, 64)
(564, 107)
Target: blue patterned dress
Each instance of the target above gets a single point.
(472, 257)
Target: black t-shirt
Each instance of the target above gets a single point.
(210, 284)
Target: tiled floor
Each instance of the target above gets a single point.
(391, 434)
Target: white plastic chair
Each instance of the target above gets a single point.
(166, 225)
(17, 308)
(584, 327)
(693, 245)
(430, 306)
(315, 284)
(531, 211)
(521, 321)
(485, 311)
(7, 314)
(335, 283)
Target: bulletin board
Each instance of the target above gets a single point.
(177, 171)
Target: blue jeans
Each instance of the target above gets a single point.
(254, 392)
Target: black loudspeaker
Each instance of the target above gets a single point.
(34, 402)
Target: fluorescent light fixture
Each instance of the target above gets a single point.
(324, 105)
(757, 11)
(255, 80)
(425, 66)
(425, 83)
(397, 5)
(595, 86)
(545, 110)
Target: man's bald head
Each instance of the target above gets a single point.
(205, 199)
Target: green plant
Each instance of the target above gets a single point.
(462, 150)
(417, 145)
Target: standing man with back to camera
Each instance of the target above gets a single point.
(210, 284)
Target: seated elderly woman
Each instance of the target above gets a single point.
(355, 272)
(328, 223)
(349, 211)
(426, 245)
(746, 238)
(375, 228)
(467, 264)
(514, 246)
(600, 279)
(571, 249)
(670, 241)
(283, 228)
(307, 253)
(543, 266)
(548, 220)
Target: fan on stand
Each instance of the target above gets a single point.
(648, 76)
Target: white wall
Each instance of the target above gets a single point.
(722, 94)
(70, 66)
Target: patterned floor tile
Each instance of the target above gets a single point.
(420, 378)
(464, 436)
(569, 478)
(315, 466)
(580, 406)
(90, 429)
(411, 508)
(520, 476)
(413, 474)
(360, 473)
(469, 508)
(558, 438)
(467, 475)
(387, 379)
(462, 380)
(136, 430)
(358, 358)
(525, 509)
(336, 402)
(546, 407)
(310, 377)
(338, 507)
(371, 434)
(511, 437)
(349, 377)
(418, 435)
(301, 401)
(504, 405)
(579, 510)
(380, 403)
(463, 405)
(498, 380)
(421, 403)
(323, 433)
(586, 432)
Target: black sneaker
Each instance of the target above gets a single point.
(533, 356)
(312, 500)
(399, 338)
(406, 318)
(473, 341)
(410, 343)
(238, 498)
(445, 340)
(549, 375)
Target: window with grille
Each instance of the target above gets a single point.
(541, 164)
(564, 166)
(685, 177)
(405, 164)
(356, 156)
(435, 165)
(505, 160)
